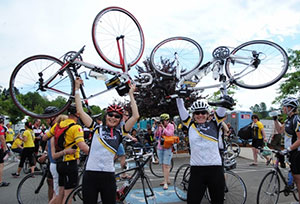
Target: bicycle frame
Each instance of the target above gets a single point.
(138, 173)
(74, 61)
(215, 65)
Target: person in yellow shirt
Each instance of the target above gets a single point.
(66, 158)
(258, 138)
(9, 135)
(17, 145)
(28, 149)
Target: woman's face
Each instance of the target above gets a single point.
(200, 116)
(113, 119)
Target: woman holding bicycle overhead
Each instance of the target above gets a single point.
(291, 129)
(99, 173)
(206, 162)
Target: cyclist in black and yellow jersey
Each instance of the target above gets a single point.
(28, 149)
(66, 158)
(99, 174)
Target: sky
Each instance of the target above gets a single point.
(55, 27)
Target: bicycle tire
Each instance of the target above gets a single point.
(27, 186)
(111, 23)
(236, 191)
(156, 169)
(181, 181)
(269, 189)
(148, 190)
(233, 149)
(272, 66)
(26, 167)
(189, 52)
(24, 86)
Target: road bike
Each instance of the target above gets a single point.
(42, 80)
(253, 65)
(235, 188)
(232, 148)
(125, 186)
(269, 188)
(31, 188)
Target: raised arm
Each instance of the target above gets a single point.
(85, 118)
(182, 110)
(278, 126)
(135, 113)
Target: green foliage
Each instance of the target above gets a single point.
(291, 83)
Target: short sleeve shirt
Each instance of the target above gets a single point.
(29, 134)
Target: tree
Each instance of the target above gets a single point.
(291, 84)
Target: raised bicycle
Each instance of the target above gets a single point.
(269, 188)
(119, 40)
(125, 186)
(254, 64)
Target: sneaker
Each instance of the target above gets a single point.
(15, 175)
(4, 184)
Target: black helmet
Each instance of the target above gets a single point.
(1, 119)
(50, 109)
(72, 109)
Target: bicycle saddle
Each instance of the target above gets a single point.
(225, 101)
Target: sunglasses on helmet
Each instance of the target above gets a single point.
(117, 116)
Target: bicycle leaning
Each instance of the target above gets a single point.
(269, 188)
(137, 172)
(235, 188)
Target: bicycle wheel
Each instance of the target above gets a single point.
(187, 51)
(26, 167)
(27, 189)
(233, 149)
(181, 181)
(269, 189)
(148, 190)
(27, 93)
(112, 23)
(256, 64)
(156, 168)
(235, 189)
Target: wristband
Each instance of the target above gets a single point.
(76, 92)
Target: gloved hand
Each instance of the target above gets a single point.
(285, 151)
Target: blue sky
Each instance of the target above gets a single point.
(55, 27)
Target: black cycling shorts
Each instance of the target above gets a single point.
(67, 174)
(1, 156)
(257, 143)
(295, 162)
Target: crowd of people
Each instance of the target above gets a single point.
(204, 129)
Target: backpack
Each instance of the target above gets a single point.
(59, 134)
(246, 132)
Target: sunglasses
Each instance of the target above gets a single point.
(117, 116)
(200, 112)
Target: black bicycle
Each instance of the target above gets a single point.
(124, 186)
(31, 188)
(269, 188)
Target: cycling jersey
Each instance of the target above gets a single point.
(2, 133)
(73, 134)
(17, 142)
(105, 143)
(292, 125)
(257, 130)
(9, 135)
(203, 138)
(30, 138)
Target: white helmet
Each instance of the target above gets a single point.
(290, 101)
(199, 105)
